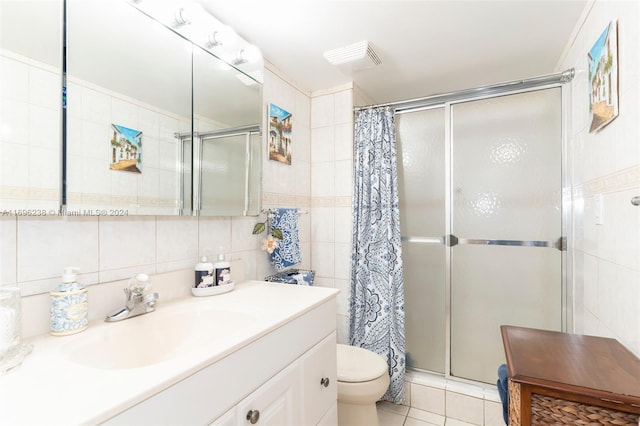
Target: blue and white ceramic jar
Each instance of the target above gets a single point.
(69, 306)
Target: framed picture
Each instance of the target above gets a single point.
(279, 136)
(125, 149)
(603, 78)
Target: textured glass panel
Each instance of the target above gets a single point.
(492, 286)
(420, 137)
(506, 167)
(506, 186)
(424, 295)
(223, 174)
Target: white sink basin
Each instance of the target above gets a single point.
(152, 338)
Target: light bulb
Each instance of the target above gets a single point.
(252, 53)
(188, 14)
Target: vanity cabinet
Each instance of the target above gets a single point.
(276, 403)
(287, 375)
(304, 393)
(319, 386)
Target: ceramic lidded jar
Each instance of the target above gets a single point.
(69, 305)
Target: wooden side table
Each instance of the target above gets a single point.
(569, 379)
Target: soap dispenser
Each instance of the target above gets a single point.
(222, 271)
(204, 274)
(69, 305)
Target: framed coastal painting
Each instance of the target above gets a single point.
(279, 137)
(603, 78)
(125, 149)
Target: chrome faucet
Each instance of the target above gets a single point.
(138, 303)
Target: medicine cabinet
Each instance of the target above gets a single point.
(148, 123)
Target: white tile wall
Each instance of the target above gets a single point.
(30, 108)
(288, 185)
(607, 256)
(46, 245)
(331, 190)
(435, 399)
(91, 112)
(34, 251)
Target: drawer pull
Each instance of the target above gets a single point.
(324, 382)
(253, 416)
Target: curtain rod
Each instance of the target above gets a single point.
(557, 78)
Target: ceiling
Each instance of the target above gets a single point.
(427, 47)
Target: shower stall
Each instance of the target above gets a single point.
(483, 221)
(220, 171)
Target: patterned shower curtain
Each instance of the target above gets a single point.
(376, 305)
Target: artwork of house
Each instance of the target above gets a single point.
(603, 76)
(279, 134)
(126, 149)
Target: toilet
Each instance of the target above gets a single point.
(363, 378)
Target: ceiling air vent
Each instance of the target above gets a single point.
(357, 56)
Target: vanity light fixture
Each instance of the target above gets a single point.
(240, 58)
(196, 24)
(212, 40)
(249, 53)
(180, 18)
(222, 35)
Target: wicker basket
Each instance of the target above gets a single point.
(514, 404)
(553, 411)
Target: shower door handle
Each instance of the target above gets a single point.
(451, 240)
(424, 240)
(560, 243)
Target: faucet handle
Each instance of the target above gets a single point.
(138, 285)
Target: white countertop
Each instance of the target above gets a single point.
(57, 384)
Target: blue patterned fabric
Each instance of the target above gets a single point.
(293, 276)
(287, 253)
(376, 306)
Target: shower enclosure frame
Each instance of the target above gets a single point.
(191, 170)
(446, 101)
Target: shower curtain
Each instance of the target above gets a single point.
(376, 305)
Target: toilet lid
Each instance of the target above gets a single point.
(359, 365)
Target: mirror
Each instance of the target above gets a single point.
(157, 125)
(30, 106)
(226, 138)
(136, 90)
(129, 94)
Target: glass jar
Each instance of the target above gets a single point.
(12, 351)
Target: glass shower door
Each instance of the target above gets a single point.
(421, 183)
(505, 258)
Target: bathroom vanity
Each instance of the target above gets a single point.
(264, 353)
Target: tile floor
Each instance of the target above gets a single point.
(390, 414)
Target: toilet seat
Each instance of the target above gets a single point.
(359, 365)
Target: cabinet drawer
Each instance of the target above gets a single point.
(276, 403)
(331, 417)
(319, 380)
